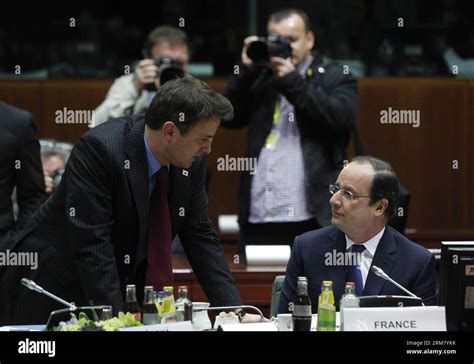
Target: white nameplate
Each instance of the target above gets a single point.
(267, 254)
(228, 224)
(429, 318)
(174, 326)
(258, 326)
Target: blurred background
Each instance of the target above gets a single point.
(363, 33)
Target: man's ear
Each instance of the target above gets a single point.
(310, 39)
(169, 131)
(381, 207)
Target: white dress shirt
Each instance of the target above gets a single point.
(368, 254)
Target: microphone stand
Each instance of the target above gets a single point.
(34, 287)
(224, 308)
(379, 272)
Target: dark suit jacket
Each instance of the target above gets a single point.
(407, 263)
(325, 107)
(92, 232)
(20, 167)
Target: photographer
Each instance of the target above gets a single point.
(166, 54)
(53, 168)
(300, 110)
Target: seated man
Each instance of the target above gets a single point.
(363, 200)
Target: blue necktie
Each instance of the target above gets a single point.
(353, 273)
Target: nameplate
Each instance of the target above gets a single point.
(430, 318)
(267, 255)
(175, 326)
(260, 326)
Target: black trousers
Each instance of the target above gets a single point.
(283, 233)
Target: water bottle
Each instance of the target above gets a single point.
(348, 300)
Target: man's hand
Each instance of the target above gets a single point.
(247, 62)
(49, 183)
(249, 318)
(146, 72)
(281, 66)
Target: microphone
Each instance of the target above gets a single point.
(224, 308)
(34, 287)
(380, 273)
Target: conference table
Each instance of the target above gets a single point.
(254, 282)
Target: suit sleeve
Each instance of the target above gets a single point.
(204, 250)
(90, 219)
(324, 105)
(293, 270)
(29, 178)
(424, 285)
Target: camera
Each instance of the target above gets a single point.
(263, 49)
(56, 176)
(168, 69)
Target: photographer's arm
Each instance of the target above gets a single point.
(124, 92)
(238, 91)
(326, 104)
(121, 97)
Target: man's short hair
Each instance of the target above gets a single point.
(187, 101)
(283, 14)
(166, 34)
(49, 154)
(384, 184)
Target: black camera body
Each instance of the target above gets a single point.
(168, 69)
(263, 49)
(57, 176)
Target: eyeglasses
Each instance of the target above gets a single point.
(347, 195)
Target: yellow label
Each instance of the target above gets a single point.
(271, 140)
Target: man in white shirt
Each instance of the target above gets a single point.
(363, 199)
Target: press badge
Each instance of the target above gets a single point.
(271, 139)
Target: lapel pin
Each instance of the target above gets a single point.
(185, 173)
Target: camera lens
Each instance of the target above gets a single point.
(263, 49)
(258, 52)
(57, 176)
(168, 69)
(170, 73)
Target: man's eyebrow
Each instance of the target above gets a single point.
(346, 187)
(350, 188)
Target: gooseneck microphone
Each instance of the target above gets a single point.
(34, 287)
(379, 272)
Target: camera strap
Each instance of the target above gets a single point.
(273, 135)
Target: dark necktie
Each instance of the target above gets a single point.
(159, 270)
(353, 273)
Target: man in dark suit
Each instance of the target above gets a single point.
(300, 110)
(107, 224)
(20, 167)
(364, 198)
